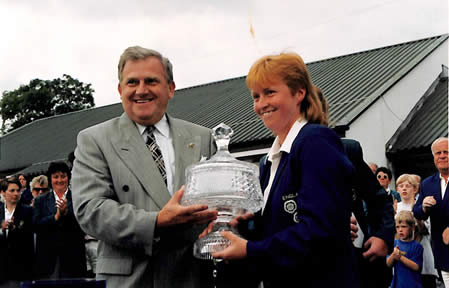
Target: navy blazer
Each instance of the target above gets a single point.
(63, 239)
(305, 234)
(439, 218)
(16, 249)
(379, 219)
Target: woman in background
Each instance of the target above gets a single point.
(60, 251)
(16, 236)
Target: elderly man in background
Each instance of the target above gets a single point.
(433, 202)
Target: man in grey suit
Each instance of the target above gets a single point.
(120, 196)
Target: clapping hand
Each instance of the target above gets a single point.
(8, 224)
(397, 253)
(61, 206)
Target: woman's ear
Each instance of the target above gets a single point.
(300, 94)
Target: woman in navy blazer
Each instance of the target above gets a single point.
(16, 236)
(303, 231)
(60, 250)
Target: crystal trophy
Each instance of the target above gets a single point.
(225, 184)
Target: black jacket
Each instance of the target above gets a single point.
(63, 239)
(379, 219)
(16, 248)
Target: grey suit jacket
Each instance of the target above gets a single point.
(117, 193)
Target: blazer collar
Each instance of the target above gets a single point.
(278, 175)
(187, 149)
(131, 148)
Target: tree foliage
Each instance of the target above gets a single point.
(44, 98)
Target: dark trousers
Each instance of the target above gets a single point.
(374, 274)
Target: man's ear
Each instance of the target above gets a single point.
(171, 88)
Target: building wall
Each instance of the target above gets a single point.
(378, 124)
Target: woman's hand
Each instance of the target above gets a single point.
(61, 208)
(237, 249)
(235, 222)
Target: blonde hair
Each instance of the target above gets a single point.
(405, 217)
(409, 178)
(291, 69)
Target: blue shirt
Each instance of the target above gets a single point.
(404, 277)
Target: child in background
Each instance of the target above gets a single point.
(407, 255)
(408, 188)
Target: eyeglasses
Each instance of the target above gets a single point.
(40, 189)
(382, 176)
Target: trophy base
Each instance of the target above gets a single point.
(211, 243)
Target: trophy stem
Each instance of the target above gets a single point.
(214, 241)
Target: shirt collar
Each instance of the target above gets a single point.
(63, 196)
(161, 126)
(442, 179)
(276, 148)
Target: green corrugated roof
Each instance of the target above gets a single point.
(427, 121)
(351, 83)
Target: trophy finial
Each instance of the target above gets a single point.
(222, 134)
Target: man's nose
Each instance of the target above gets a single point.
(141, 88)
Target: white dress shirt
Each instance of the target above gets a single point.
(165, 143)
(8, 217)
(443, 186)
(274, 155)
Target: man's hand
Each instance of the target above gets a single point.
(376, 247)
(354, 228)
(446, 236)
(174, 213)
(427, 203)
(237, 249)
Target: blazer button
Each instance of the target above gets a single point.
(125, 188)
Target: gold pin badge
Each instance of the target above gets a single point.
(191, 145)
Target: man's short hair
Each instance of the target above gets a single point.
(437, 141)
(138, 53)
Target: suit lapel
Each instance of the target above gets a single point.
(187, 150)
(278, 175)
(2, 212)
(131, 148)
(50, 203)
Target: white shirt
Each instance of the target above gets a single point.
(443, 186)
(165, 143)
(274, 155)
(8, 217)
(63, 196)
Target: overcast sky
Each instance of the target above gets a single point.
(206, 40)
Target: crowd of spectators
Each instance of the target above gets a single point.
(40, 237)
